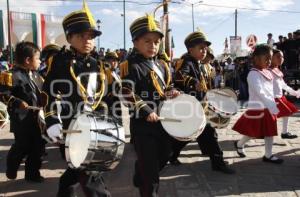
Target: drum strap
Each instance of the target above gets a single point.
(116, 76)
(159, 73)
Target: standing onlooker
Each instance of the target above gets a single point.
(270, 40)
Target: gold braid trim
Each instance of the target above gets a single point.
(156, 84)
(102, 81)
(203, 86)
(50, 113)
(168, 73)
(109, 76)
(83, 91)
(123, 69)
(81, 88)
(189, 80)
(141, 106)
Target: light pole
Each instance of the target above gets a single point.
(192, 4)
(124, 24)
(98, 26)
(9, 34)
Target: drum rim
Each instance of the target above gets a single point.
(221, 111)
(199, 129)
(118, 154)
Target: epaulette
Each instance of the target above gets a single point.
(178, 64)
(49, 64)
(108, 76)
(6, 78)
(123, 69)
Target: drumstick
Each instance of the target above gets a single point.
(222, 93)
(34, 108)
(71, 131)
(168, 119)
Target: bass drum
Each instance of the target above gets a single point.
(94, 142)
(189, 113)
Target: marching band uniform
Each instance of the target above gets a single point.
(47, 57)
(19, 85)
(144, 83)
(78, 82)
(285, 107)
(192, 78)
(111, 63)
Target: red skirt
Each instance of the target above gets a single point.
(286, 108)
(257, 123)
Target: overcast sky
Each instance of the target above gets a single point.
(214, 17)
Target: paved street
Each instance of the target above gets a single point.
(194, 178)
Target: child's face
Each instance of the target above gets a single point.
(113, 63)
(199, 51)
(277, 59)
(82, 42)
(34, 62)
(263, 61)
(148, 44)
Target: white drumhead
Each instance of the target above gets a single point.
(78, 143)
(222, 101)
(230, 92)
(187, 109)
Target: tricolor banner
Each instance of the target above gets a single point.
(1, 30)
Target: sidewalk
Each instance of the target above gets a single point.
(194, 178)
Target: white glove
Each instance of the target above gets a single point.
(274, 110)
(54, 132)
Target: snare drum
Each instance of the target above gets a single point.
(3, 115)
(189, 111)
(222, 105)
(94, 142)
(42, 126)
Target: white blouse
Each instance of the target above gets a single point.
(279, 84)
(261, 94)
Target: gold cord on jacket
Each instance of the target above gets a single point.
(83, 91)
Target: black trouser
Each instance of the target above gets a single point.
(207, 141)
(91, 183)
(28, 142)
(153, 153)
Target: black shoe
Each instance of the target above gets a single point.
(288, 135)
(175, 162)
(37, 179)
(272, 160)
(136, 180)
(237, 150)
(70, 192)
(11, 174)
(223, 168)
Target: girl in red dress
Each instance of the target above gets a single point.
(285, 107)
(259, 121)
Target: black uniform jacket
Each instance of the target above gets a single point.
(143, 89)
(189, 74)
(67, 81)
(16, 87)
